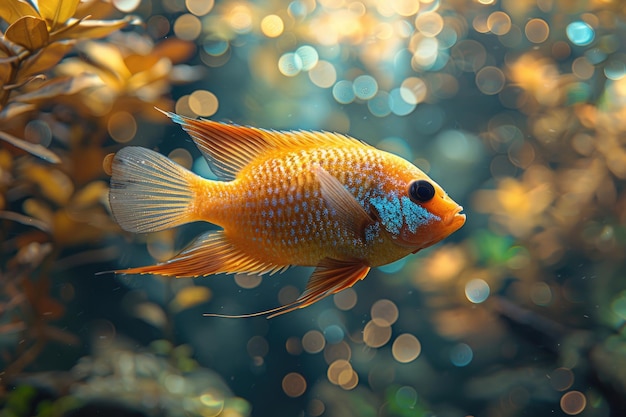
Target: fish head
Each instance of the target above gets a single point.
(416, 212)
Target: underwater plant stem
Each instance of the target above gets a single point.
(5, 93)
(27, 357)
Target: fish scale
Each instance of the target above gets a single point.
(293, 234)
(283, 198)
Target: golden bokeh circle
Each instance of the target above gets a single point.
(406, 348)
(294, 384)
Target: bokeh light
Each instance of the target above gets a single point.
(429, 24)
(203, 103)
(309, 57)
(126, 6)
(477, 290)
(294, 384)
(346, 299)
(182, 157)
(122, 127)
(561, 379)
(313, 341)
(384, 313)
(187, 27)
(461, 355)
(290, 64)
(490, 80)
(499, 23)
(375, 335)
(406, 348)
(343, 92)
(580, 33)
(365, 87)
(199, 7)
(322, 74)
(248, 281)
(272, 26)
(537, 30)
(573, 403)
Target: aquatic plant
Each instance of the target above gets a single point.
(54, 116)
(119, 378)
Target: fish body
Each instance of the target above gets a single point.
(284, 198)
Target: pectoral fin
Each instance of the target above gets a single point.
(342, 204)
(329, 277)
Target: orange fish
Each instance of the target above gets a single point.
(285, 198)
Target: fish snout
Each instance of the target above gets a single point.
(455, 218)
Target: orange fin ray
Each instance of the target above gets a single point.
(211, 253)
(330, 277)
(149, 192)
(229, 147)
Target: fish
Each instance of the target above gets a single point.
(281, 198)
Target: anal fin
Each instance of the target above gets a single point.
(211, 253)
(330, 277)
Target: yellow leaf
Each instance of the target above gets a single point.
(60, 86)
(11, 10)
(57, 12)
(158, 71)
(55, 185)
(109, 57)
(39, 210)
(190, 296)
(45, 59)
(93, 193)
(92, 29)
(151, 313)
(177, 50)
(25, 220)
(14, 109)
(29, 32)
(96, 9)
(35, 149)
(138, 63)
(5, 72)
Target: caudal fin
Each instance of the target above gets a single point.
(149, 192)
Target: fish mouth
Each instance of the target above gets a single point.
(455, 219)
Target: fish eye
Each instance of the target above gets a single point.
(421, 191)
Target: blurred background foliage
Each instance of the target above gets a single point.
(516, 107)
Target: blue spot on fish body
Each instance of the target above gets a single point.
(390, 212)
(416, 215)
(398, 212)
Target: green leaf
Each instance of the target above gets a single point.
(32, 148)
(57, 12)
(11, 10)
(29, 32)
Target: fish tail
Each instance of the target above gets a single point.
(149, 192)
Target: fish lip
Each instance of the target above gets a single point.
(456, 217)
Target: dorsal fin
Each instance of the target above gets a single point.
(229, 147)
